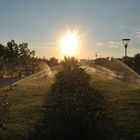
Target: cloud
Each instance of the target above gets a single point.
(99, 43)
(138, 34)
(136, 45)
(137, 29)
(114, 44)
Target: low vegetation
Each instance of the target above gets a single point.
(124, 104)
(4, 110)
(74, 110)
(26, 108)
(79, 104)
(132, 62)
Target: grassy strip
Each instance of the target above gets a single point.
(26, 109)
(124, 102)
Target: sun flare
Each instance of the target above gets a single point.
(69, 43)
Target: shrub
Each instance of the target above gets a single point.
(4, 110)
(74, 110)
(72, 78)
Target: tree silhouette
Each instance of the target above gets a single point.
(2, 56)
(11, 57)
(16, 59)
(137, 63)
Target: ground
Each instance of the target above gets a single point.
(124, 101)
(27, 104)
(26, 107)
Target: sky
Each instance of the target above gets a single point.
(101, 24)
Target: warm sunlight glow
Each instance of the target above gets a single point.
(69, 43)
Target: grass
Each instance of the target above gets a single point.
(27, 105)
(6, 81)
(26, 109)
(124, 101)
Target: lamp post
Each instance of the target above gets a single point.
(125, 43)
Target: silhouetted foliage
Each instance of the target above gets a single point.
(102, 61)
(72, 78)
(51, 62)
(4, 110)
(137, 63)
(2, 57)
(120, 66)
(133, 62)
(17, 59)
(129, 61)
(74, 110)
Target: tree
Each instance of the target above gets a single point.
(137, 63)
(24, 56)
(11, 57)
(27, 59)
(51, 62)
(14, 59)
(2, 54)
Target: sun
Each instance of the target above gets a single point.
(69, 43)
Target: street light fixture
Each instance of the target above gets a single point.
(125, 43)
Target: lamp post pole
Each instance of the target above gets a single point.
(126, 49)
(125, 43)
